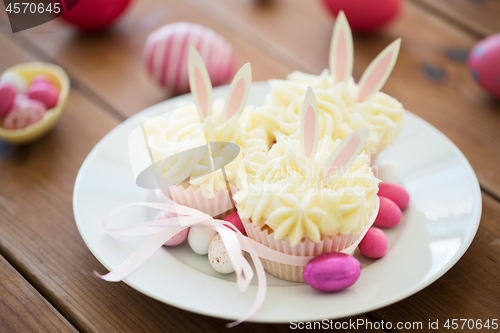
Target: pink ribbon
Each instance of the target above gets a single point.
(234, 241)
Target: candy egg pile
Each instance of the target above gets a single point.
(22, 105)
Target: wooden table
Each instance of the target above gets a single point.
(46, 280)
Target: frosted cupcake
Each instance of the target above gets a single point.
(311, 196)
(383, 114)
(200, 181)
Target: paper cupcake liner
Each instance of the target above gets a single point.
(218, 206)
(304, 248)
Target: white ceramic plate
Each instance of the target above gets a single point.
(436, 230)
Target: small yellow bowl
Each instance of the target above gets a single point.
(60, 79)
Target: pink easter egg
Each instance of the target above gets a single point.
(177, 238)
(40, 78)
(7, 98)
(234, 218)
(484, 64)
(332, 271)
(389, 214)
(45, 93)
(374, 244)
(394, 192)
(24, 113)
(165, 55)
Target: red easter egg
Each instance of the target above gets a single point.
(396, 193)
(44, 92)
(95, 15)
(234, 218)
(7, 97)
(484, 64)
(366, 15)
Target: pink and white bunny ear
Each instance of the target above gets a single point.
(309, 133)
(378, 71)
(199, 82)
(344, 154)
(238, 93)
(341, 50)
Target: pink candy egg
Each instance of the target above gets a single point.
(332, 271)
(484, 64)
(165, 55)
(389, 214)
(177, 238)
(394, 192)
(45, 93)
(24, 113)
(234, 218)
(218, 257)
(374, 244)
(7, 97)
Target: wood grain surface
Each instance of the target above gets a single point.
(38, 235)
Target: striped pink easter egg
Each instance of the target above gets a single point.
(165, 55)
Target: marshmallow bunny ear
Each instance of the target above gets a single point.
(341, 50)
(378, 71)
(309, 132)
(344, 154)
(199, 82)
(238, 92)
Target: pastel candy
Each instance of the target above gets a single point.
(332, 271)
(15, 80)
(45, 93)
(387, 172)
(234, 218)
(217, 256)
(389, 214)
(7, 98)
(166, 49)
(199, 238)
(396, 193)
(40, 78)
(484, 64)
(374, 244)
(177, 238)
(25, 113)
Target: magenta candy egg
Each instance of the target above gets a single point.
(165, 55)
(178, 238)
(394, 192)
(7, 98)
(234, 218)
(389, 214)
(374, 244)
(25, 112)
(45, 93)
(484, 64)
(332, 271)
(366, 15)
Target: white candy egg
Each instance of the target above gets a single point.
(166, 52)
(199, 238)
(16, 80)
(217, 255)
(387, 172)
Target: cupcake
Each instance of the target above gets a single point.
(381, 113)
(199, 177)
(311, 196)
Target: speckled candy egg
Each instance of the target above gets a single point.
(165, 55)
(217, 255)
(366, 15)
(484, 64)
(178, 238)
(332, 271)
(25, 112)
